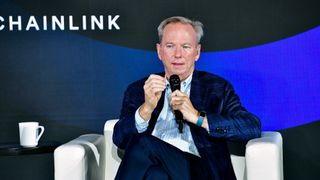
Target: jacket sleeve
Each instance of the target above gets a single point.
(125, 128)
(234, 122)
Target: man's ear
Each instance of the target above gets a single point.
(198, 52)
(158, 46)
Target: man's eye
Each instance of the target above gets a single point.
(169, 46)
(186, 47)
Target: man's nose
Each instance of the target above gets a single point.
(178, 52)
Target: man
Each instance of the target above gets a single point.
(212, 115)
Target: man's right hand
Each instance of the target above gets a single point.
(153, 88)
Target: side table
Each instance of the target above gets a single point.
(14, 149)
(17, 162)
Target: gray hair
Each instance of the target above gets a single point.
(196, 25)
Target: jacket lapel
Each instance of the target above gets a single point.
(197, 92)
(155, 114)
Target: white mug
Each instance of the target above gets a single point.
(29, 134)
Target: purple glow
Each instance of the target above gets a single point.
(277, 81)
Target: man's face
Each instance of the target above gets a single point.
(178, 49)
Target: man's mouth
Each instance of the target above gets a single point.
(177, 64)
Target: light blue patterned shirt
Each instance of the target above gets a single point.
(166, 127)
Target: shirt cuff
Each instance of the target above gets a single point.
(141, 124)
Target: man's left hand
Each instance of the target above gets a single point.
(180, 101)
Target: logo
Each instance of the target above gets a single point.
(82, 23)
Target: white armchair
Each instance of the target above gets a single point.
(95, 157)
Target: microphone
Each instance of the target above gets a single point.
(175, 85)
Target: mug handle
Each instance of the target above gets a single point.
(41, 132)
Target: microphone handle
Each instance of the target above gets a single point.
(179, 120)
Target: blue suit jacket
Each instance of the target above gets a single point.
(227, 119)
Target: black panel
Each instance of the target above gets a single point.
(301, 148)
(27, 167)
(228, 24)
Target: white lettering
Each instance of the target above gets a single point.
(17, 23)
(71, 26)
(58, 22)
(84, 23)
(55, 22)
(2, 26)
(95, 21)
(45, 23)
(112, 22)
(32, 23)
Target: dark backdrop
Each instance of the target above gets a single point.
(73, 81)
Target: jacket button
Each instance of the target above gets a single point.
(220, 130)
(224, 131)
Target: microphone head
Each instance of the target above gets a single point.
(174, 81)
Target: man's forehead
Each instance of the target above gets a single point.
(172, 32)
(178, 24)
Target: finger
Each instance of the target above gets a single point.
(179, 97)
(156, 90)
(181, 101)
(176, 102)
(176, 107)
(178, 93)
(176, 98)
(155, 82)
(155, 85)
(154, 77)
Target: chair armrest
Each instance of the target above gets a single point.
(80, 159)
(264, 157)
(112, 153)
